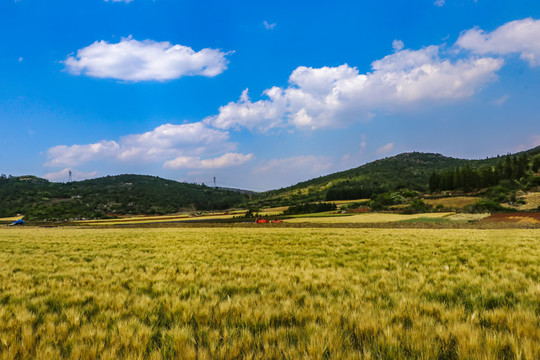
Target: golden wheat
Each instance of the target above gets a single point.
(367, 218)
(265, 293)
(456, 202)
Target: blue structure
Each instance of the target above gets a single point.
(18, 222)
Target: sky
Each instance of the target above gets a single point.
(261, 95)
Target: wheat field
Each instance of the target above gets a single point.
(159, 219)
(456, 202)
(269, 293)
(365, 218)
(12, 218)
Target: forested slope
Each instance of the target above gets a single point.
(124, 194)
(408, 170)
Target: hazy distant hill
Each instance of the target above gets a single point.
(411, 170)
(124, 194)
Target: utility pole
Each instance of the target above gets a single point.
(69, 175)
(215, 183)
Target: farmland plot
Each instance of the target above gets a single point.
(225, 293)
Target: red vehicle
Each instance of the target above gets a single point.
(264, 221)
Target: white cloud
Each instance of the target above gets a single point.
(501, 100)
(397, 45)
(269, 26)
(223, 161)
(307, 165)
(261, 115)
(383, 150)
(166, 142)
(532, 142)
(363, 144)
(439, 3)
(21, 59)
(275, 173)
(520, 36)
(63, 175)
(125, 1)
(63, 155)
(133, 60)
(334, 96)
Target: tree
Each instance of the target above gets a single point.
(536, 164)
(434, 182)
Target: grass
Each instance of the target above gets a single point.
(464, 217)
(274, 210)
(365, 218)
(532, 201)
(427, 220)
(281, 209)
(324, 214)
(159, 219)
(346, 202)
(447, 219)
(455, 202)
(227, 293)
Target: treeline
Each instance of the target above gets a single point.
(467, 178)
(350, 190)
(309, 208)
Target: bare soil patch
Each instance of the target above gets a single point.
(522, 218)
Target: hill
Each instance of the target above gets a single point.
(407, 170)
(38, 198)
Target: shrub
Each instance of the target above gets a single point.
(308, 208)
(485, 205)
(417, 206)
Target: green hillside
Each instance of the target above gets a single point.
(138, 194)
(407, 170)
(124, 194)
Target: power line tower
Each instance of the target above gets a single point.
(215, 183)
(70, 176)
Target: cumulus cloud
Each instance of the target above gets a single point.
(383, 150)
(63, 155)
(397, 45)
(63, 175)
(439, 3)
(223, 161)
(334, 96)
(260, 115)
(168, 140)
(515, 37)
(307, 165)
(133, 60)
(164, 143)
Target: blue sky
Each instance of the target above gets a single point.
(261, 95)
